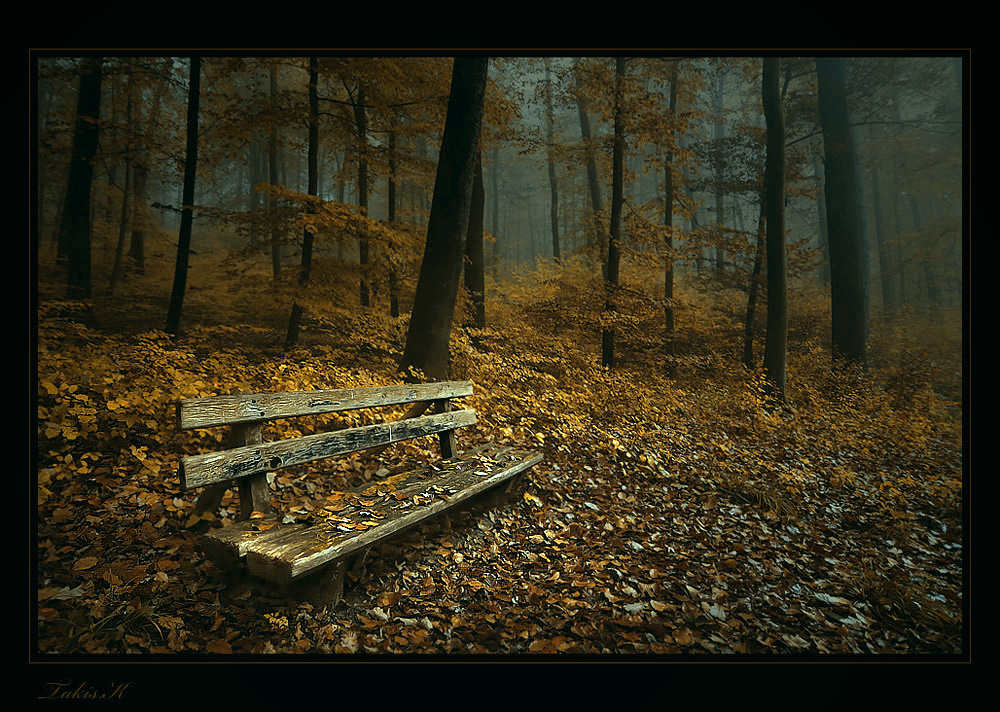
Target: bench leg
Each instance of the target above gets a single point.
(507, 492)
(323, 587)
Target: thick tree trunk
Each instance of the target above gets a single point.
(617, 200)
(74, 228)
(848, 251)
(776, 341)
(441, 268)
(187, 202)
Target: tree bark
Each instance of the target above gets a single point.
(617, 201)
(776, 341)
(848, 251)
(187, 202)
(391, 198)
(824, 240)
(668, 222)
(475, 280)
(124, 221)
(881, 236)
(441, 268)
(755, 280)
(361, 121)
(553, 182)
(272, 178)
(295, 321)
(593, 181)
(74, 229)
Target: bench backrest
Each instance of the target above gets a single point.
(246, 411)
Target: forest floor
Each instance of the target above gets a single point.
(671, 519)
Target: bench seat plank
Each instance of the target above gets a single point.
(293, 551)
(227, 545)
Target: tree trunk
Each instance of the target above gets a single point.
(441, 268)
(668, 222)
(755, 280)
(617, 200)
(496, 213)
(718, 134)
(776, 341)
(187, 201)
(824, 240)
(74, 229)
(137, 241)
(295, 321)
(593, 181)
(272, 178)
(361, 120)
(123, 221)
(848, 251)
(881, 236)
(391, 199)
(474, 268)
(553, 183)
(930, 277)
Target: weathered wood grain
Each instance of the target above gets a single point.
(284, 557)
(201, 470)
(250, 407)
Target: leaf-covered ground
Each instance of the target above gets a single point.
(672, 518)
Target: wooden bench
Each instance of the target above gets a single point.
(308, 559)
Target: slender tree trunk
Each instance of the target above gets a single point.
(930, 277)
(881, 238)
(824, 240)
(74, 229)
(496, 213)
(848, 251)
(553, 183)
(474, 268)
(361, 120)
(295, 321)
(776, 342)
(755, 281)
(272, 178)
(617, 200)
(140, 223)
(668, 222)
(124, 221)
(718, 134)
(187, 202)
(441, 268)
(593, 180)
(393, 277)
(137, 241)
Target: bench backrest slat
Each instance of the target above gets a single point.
(208, 468)
(255, 407)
